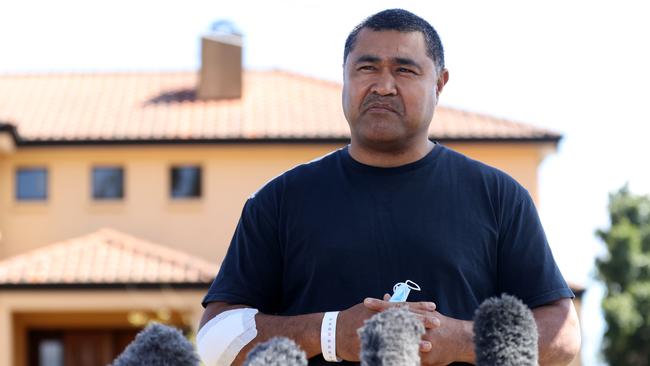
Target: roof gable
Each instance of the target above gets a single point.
(104, 258)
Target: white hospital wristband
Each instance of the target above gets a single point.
(328, 336)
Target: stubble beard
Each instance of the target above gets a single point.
(385, 135)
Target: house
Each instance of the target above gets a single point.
(119, 192)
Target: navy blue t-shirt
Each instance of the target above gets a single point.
(327, 234)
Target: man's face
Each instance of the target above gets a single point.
(390, 89)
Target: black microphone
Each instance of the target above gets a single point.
(505, 333)
(158, 344)
(277, 351)
(391, 338)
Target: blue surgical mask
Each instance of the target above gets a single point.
(401, 290)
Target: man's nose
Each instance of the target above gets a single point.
(384, 84)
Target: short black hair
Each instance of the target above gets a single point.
(402, 21)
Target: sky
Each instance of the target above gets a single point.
(581, 68)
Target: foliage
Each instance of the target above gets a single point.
(626, 274)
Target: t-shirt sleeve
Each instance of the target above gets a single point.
(251, 272)
(526, 267)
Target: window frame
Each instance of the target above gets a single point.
(17, 185)
(201, 191)
(92, 183)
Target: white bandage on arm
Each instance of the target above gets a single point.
(220, 340)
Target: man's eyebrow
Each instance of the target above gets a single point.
(367, 58)
(398, 60)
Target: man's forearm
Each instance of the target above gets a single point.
(466, 341)
(559, 332)
(303, 329)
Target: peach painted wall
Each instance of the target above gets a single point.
(202, 227)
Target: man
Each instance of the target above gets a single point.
(337, 233)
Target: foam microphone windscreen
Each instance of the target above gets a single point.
(391, 338)
(158, 344)
(277, 351)
(505, 333)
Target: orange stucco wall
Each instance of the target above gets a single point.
(202, 227)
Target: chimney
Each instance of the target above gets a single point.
(221, 65)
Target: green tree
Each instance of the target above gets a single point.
(626, 274)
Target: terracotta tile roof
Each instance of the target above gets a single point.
(163, 106)
(105, 257)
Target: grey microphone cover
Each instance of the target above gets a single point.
(391, 338)
(505, 333)
(277, 351)
(158, 344)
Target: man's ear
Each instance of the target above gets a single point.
(442, 80)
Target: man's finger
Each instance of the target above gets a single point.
(429, 322)
(386, 297)
(423, 312)
(375, 304)
(425, 346)
(381, 305)
(422, 305)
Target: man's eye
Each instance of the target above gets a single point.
(405, 70)
(366, 68)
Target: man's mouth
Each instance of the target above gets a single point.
(377, 107)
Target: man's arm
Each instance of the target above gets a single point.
(452, 340)
(305, 329)
(559, 332)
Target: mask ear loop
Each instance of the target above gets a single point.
(412, 285)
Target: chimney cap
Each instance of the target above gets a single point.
(225, 26)
(231, 39)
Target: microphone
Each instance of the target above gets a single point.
(158, 344)
(277, 351)
(391, 338)
(505, 333)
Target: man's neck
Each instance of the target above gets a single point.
(390, 159)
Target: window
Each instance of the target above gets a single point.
(50, 352)
(108, 183)
(186, 181)
(31, 184)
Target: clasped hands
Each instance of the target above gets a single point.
(438, 345)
